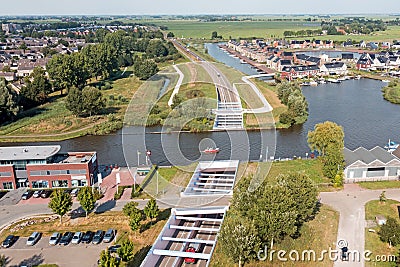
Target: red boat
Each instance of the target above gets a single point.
(211, 150)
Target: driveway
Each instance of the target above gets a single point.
(350, 203)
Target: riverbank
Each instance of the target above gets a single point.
(391, 92)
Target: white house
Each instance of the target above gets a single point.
(334, 68)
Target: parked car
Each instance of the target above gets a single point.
(76, 239)
(193, 247)
(75, 192)
(66, 238)
(109, 236)
(37, 193)
(54, 238)
(9, 241)
(33, 238)
(114, 248)
(45, 193)
(68, 191)
(87, 237)
(98, 236)
(27, 195)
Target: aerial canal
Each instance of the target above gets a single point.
(368, 120)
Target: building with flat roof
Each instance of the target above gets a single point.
(46, 167)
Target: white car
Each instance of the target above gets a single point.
(33, 238)
(36, 194)
(76, 239)
(55, 237)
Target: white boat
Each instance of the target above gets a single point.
(333, 80)
(357, 77)
(386, 81)
(242, 61)
(341, 79)
(391, 146)
(313, 83)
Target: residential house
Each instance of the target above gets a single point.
(334, 68)
(9, 76)
(347, 56)
(364, 62)
(295, 44)
(294, 72)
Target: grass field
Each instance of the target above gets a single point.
(372, 241)
(380, 184)
(317, 234)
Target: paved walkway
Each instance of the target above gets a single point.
(351, 205)
(177, 86)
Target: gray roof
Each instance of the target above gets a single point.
(367, 156)
(28, 152)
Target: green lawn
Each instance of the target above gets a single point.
(372, 241)
(317, 234)
(380, 184)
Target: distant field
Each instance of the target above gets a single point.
(234, 29)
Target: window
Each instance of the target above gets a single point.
(59, 183)
(5, 174)
(78, 183)
(8, 185)
(40, 184)
(20, 165)
(82, 171)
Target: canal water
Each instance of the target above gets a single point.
(368, 120)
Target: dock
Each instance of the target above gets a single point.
(261, 67)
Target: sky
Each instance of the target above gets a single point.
(192, 7)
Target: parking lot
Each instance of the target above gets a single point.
(70, 255)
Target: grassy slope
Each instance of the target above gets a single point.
(380, 184)
(372, 241)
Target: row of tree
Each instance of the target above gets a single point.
(291, 95)
(302, 33)
(262, 217)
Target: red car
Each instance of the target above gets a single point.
(192, 248)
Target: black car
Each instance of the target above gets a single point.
(45, 194)
(66, 238)
(114, 248)
(98, 236)
(9, 241)
(87, 237)
(27, 195)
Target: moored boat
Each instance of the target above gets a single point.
(391, 146)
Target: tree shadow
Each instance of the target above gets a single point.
(32, 261)
(106, 206)
(109, 110)
(163, 215)
(77, 213)
(139, 257)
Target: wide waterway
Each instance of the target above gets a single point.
(368, 120)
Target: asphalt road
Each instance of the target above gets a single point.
(351, 205)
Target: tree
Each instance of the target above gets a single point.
(390, 232)
(338, 180)
(134, 219)
(3, 260)
(214, 35)
(37, 88)
(327, 134)
(130, 208)
(126, 251)
(170, 35)
(176, 101)
(238, 238)
(151, 210)
(106, 260)
(86, 199)
(156, 49)
(144, 69)
(74, 101)
(8, 102)
(382, 197)
(92, 100)
(60, 203)
(333, 161)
